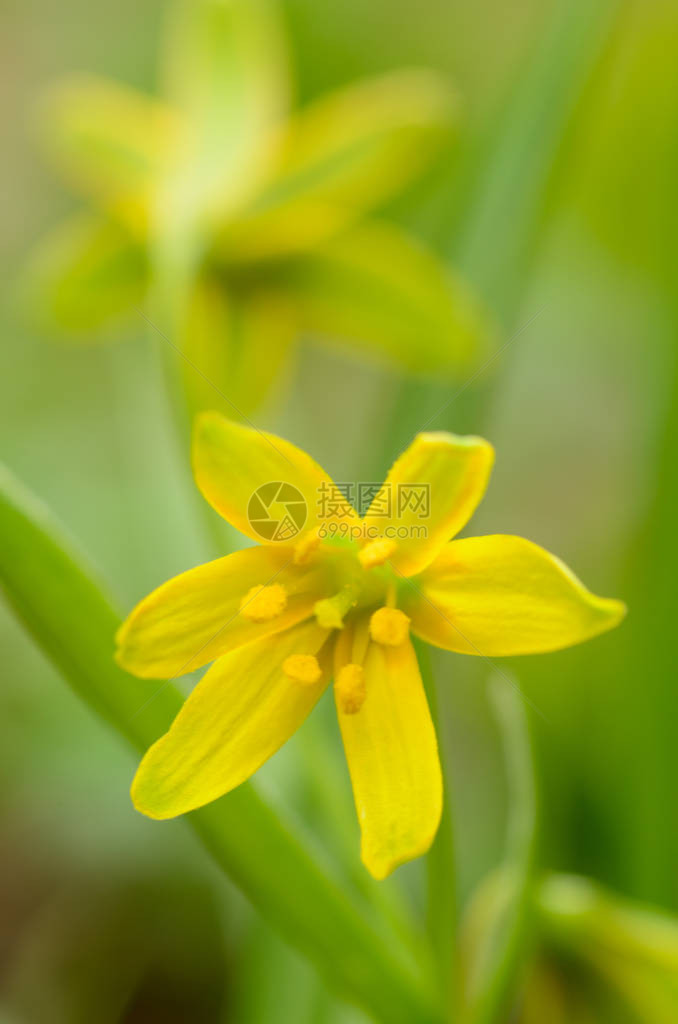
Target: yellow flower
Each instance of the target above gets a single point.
(337, 599)
(267, 210)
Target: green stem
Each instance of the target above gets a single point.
(176, 265)
(442, 910)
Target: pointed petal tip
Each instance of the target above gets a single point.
(446, 437)
(381, 864)
(615, 611)
(502, 595)
(469, 443)
(148, 801)
(205, 422)
(119, 655)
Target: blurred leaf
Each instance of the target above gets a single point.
(237, 343)
(580, 914)
(627, 152)
(380, 290)
(560, 994)
(651, 995)
(74, 624)
(498, 198)
(511, 168)
(634, 948)
(225, 72)
(86, 273)
(625, 186)
(109, 141)
(341, 156)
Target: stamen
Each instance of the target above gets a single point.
(389, 626)
(330, 611)
(350, 689)
(262, 603)
(305, 547)
(303, 668)
(376, 552)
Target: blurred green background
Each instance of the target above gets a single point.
(558, 199)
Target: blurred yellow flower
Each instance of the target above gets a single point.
(330, 595)
(261, 210)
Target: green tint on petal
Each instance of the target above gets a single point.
(503, 595)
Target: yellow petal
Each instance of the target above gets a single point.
(392, 756)
(239, 714)
(429, 495)
(503, 595)
(231, 462)
(109, 141)
(376, 287)
(195, 617)
(342, 155)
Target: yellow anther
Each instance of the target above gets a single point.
(303, 668)
(389, 626)
(305, 547)
(376, 552)
(331, 610)
(350, 689)
(262, 603)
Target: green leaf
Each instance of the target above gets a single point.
(225, 73)
(512, 166)
(343, 155)
(380, 290)
(65, 611)
(85, 274)
(629, 137)
(108, 140)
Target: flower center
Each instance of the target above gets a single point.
(262, 603)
